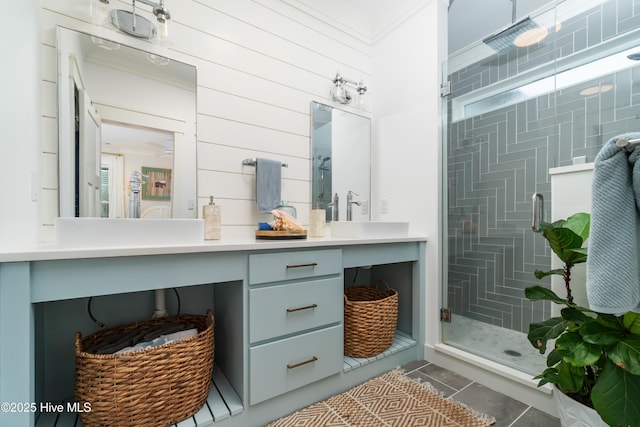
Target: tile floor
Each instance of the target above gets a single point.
(508, 412)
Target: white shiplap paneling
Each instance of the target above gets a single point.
(260, 63)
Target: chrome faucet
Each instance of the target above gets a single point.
(135, 186)
(350, 203)
(335, 207)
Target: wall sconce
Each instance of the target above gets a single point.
(341, 94)
(131, 23)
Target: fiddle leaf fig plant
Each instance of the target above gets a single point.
(596, 357)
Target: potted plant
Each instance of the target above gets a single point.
(596, 356)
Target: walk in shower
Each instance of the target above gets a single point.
(512, 113)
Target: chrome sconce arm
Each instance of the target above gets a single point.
(134, 24)
(339, 91)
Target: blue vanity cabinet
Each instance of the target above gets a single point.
(295, 320)
(278, 305)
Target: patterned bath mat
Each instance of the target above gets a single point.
(391, 399)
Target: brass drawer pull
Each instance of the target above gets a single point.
(291, 310)
(297, 365)
(312, 264)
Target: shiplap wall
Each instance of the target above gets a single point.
(260, 63)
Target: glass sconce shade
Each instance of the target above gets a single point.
(99, 10)
(340, 94)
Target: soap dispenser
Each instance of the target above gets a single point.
(212, 215)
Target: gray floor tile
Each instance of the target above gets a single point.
(443, 388)
(508, 412)
(412, 366)
(535, 418)
(503, 408)
(445, 376)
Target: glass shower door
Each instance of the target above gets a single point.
(513, 113)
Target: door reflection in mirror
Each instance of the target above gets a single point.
(115, 102)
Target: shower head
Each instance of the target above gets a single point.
(324, 159)
(522, 33)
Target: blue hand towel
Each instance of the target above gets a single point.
(613, 274)
(268, 184)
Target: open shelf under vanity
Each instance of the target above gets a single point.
(222, 403)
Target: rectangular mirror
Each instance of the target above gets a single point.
(340, 160)
(123, 112)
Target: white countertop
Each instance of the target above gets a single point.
(52, 252)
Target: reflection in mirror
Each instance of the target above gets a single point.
(341, 160)
(123, 112)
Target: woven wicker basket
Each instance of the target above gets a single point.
(370, 319)
(155, 386)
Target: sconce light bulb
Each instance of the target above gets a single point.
(162, 29)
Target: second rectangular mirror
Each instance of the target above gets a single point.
(340, 161)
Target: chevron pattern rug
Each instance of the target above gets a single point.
(391, 399)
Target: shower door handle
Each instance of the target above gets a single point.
(537, 211)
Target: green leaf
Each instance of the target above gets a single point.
(616, 396)
(540, 333)
(631, 321)
(540, 274)
(570, 378)
(562, 241)
(596, 333)
(538, 293)
(611, 321)
(576, 351)
(548, 225)
(579, 223)
(553, 358)
(549, 375)
(575, 315)
(626, 354)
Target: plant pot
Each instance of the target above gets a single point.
(573, 413)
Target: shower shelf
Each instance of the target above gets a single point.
(222, 403)
(401, 341)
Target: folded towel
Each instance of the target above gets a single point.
(613, 275)
(268, 184)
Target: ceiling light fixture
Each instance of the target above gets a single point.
(341, 94)
(132, 23)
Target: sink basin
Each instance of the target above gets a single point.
(103, 232)
(369, 229)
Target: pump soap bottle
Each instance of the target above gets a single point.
(212, 215)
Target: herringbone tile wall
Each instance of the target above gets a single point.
(497, 160)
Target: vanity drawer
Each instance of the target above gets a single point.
(285, 365)
(274, 267)
(286, 309)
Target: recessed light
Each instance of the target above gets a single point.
(596, 89)
(531, 37)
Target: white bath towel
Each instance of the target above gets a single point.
(613, 273)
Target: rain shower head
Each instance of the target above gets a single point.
(522, 33)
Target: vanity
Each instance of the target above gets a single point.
(278, 309)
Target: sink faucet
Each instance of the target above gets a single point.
(350, 203)
(335, 207)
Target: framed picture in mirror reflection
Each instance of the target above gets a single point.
(156, 184)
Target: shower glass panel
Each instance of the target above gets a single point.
(511, 115)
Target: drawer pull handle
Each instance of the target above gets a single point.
(291, 310)
(312, 264)
(306, 362)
